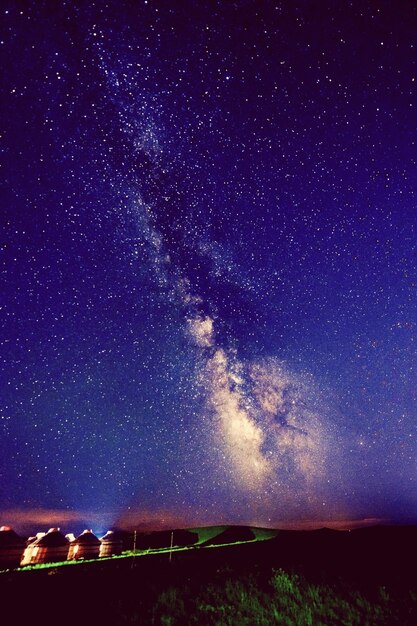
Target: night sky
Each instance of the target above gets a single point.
(208, 262)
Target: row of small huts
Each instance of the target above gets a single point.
(54, 546)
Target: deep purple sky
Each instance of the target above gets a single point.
(209, 261)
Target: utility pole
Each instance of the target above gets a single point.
(134, 548)
(172, 543)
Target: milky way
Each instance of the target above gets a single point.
(209, 262)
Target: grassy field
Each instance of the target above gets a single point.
(286, 599)
(291, 578)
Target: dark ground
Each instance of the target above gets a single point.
(111, 591)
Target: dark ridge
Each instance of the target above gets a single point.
(382, 529)
(162, 539)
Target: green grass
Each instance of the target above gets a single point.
(263, 534)
(288, 600)
(124, 555)
(230, 591)
(205, 534)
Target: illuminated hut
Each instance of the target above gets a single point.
(11, 547)
(85, 546)
(46, 548)
(111, 544)
(30, 545)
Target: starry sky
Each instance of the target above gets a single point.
(208, 262)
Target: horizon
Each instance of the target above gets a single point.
(29, 523)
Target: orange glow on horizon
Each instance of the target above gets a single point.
(145, 520)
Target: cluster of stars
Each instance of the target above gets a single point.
(209, 261)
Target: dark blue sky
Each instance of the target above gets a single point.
(209, 261)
